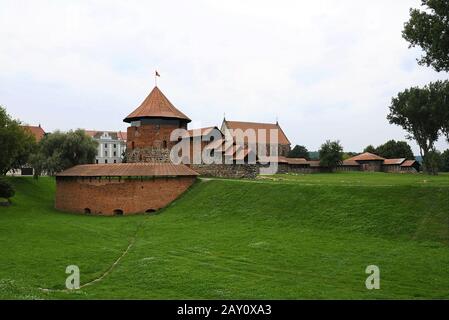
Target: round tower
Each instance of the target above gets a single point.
(148, 137)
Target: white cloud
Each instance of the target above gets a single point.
(327, 69)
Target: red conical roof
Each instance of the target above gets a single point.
(156, 105)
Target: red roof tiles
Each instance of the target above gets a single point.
(393, 161)
(36, 131)
(128, 169)
(201, 131)
(408, 163)
(156, 105)
(367, 157)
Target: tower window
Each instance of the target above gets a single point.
(164, 144)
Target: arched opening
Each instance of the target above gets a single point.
(118, 212)
(87, 210)
(150, 210)
(164, 144)
(132, 145)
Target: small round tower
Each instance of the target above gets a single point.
(148, 137)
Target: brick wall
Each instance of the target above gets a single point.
(150, 135)
(104, 196)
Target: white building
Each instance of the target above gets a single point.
(111, 145)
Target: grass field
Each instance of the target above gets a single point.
(281, 237)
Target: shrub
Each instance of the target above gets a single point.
(6, 189)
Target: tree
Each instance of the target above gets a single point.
(6, 190)
(370, 149)
(299, 152)
(393, 149)
(331, 154)
(419, 111)
(445, 161)
(16, 143)
(429, 29)
(347, 155)
(59, 151)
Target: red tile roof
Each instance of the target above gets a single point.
(408, 163)
(127, 170)
(36, 131)
(201, 131)
(350, 163)
(366, 157)
(296, 160)
(393, 161)
(282, 138)
(314, 163)
(156, 105)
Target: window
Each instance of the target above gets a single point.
(106, 161)
(115, 153)
(105, 153)
(115, 161)
(96, 161)
(115, 146)
(164, 144)
(105, 145)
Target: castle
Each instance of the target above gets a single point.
(158, 168)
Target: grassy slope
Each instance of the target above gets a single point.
(292, 237)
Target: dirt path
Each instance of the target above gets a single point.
(111, 267)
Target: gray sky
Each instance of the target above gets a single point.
(326, 69)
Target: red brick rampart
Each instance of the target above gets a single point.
(118, 195)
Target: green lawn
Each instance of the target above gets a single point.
(287, 236)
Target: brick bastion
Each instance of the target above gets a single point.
(121, 189)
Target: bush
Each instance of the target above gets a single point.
(6, 189)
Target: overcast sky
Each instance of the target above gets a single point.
(326, 69)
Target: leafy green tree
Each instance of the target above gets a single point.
(59, 151)
(370, 149)
(436, 161)
(429, 29)
(419, 111)
(16, 143)
(445, 161)
(395, 149)
(299, 152)
(331, 154)
(6, 189)
(347, 155)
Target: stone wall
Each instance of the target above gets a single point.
(300, 169)
(249, 171)
(110, 196)
(149, 154)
